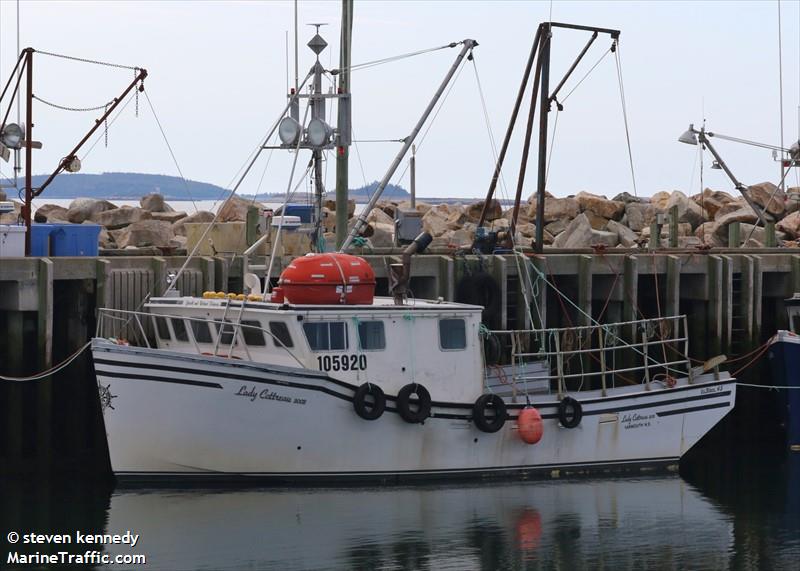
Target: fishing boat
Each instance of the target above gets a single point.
(325, 381)
(319, 379)
(783, 354)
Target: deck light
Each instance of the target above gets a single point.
(689, 137)
(12, 135)
(289, 131)
(318, 133)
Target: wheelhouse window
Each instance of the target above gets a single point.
(452, 334)
(252, 333)
(179, 328)
(371, 335)
(162, 328)
(281, 334)
(200, 331)
(326, 335)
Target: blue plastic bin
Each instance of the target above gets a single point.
(304, 211)
(74, 240)
(40, 239)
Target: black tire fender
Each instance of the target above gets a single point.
(422, 403)
(570, 412)
(485, 422)
(365, 409)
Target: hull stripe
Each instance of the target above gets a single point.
(261, 369)
(693, 409)
(135, 376)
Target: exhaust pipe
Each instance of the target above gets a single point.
(400, 274)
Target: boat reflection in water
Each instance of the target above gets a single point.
(641, 523)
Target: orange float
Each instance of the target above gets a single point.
(529, 423)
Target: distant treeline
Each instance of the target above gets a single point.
(131, 186)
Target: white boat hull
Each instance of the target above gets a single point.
(171, 415)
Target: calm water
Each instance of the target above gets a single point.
(745, 515)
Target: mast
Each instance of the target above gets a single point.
(343, 151)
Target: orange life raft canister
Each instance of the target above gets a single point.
(327, 279)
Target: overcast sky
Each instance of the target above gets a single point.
(218, 80)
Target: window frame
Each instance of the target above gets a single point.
(439, 327)
(383, 334)
(161, 325)
(277, 338)
(183, 336)
(328, 324)
(195, 325)
(253, 327)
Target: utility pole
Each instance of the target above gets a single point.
(343, 151)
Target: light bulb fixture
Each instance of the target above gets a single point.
(318, 133)
(689, 136)
(716, 166)
(12, 136)
(289, 131)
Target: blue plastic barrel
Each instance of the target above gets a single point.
(74, 240)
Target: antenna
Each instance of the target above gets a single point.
(296, 66)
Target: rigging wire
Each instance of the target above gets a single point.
(171, 153)
(591, 69)
(618, 59)
(369, 64)
(780, 88)
(492, 141)
(263, 172)
(433, 119)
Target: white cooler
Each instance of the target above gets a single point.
(12, 241)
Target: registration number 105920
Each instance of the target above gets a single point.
(342, 362)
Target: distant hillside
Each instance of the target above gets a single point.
(391, 192)
(132, 186)
(120, 185)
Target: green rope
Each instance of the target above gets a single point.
(360, 242)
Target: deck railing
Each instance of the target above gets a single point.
(647, 351)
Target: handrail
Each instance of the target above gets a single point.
(668, 330)
(596, 326)
(104, 314)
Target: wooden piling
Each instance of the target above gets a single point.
(44, 350)
(584, 290)
(727, 303)
(14, 365)
(673, 293)
(747, 301)
(673, 227)
(758, 294)
(734, 234)
(715, 304)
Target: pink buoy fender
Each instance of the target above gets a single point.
(529, 423)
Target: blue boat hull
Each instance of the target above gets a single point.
(784, 359)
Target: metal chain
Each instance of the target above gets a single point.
(105, 128)
(65, 108)
(92, 61)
